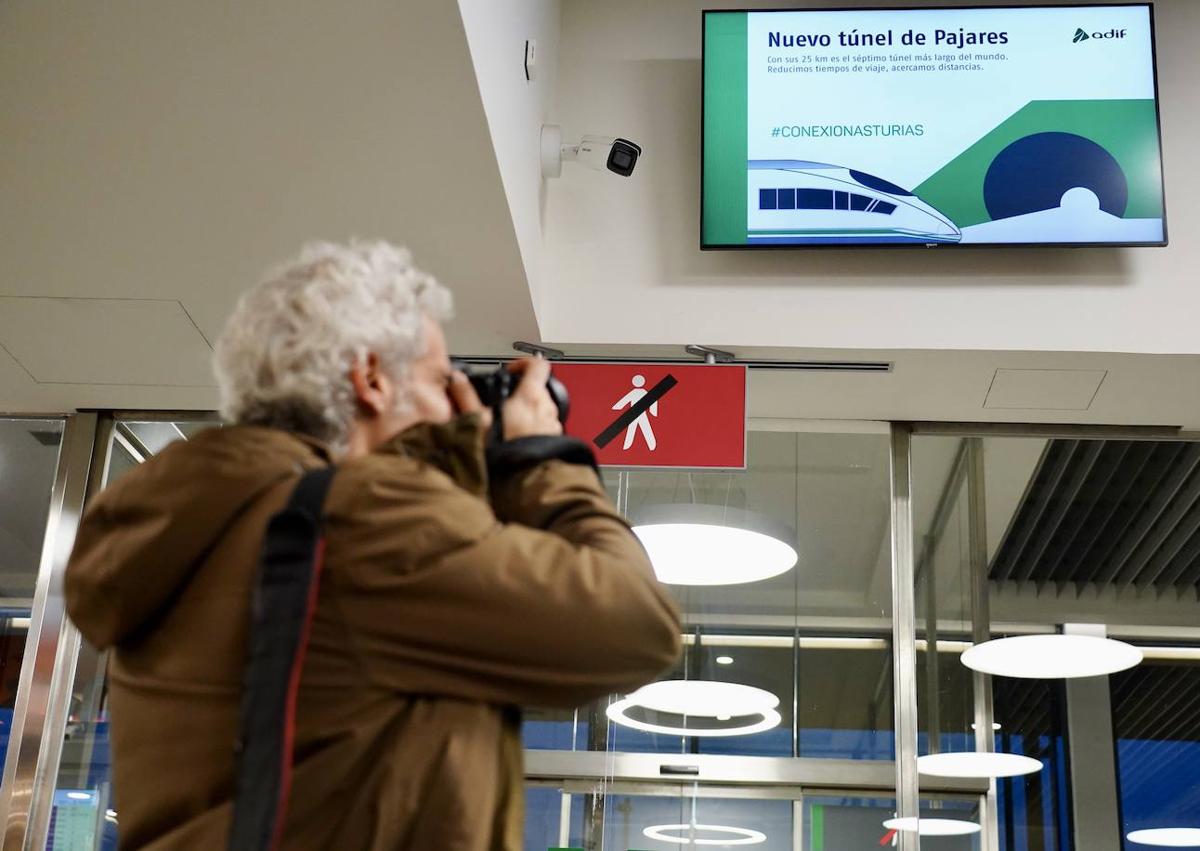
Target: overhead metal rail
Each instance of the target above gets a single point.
(756, 364)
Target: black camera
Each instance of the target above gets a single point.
(494, 386)
(623, 157)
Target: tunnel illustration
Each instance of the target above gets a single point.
(1033, 173)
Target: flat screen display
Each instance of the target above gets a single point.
(937, 127)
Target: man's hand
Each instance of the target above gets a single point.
(530, 411)
(466, 400)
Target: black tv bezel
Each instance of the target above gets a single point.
(1149, 6)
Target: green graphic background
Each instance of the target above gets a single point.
(725, 140)
(1127, 129)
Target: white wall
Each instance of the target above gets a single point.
(516, 107)
(623, 263)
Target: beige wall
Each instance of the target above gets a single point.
(624, 264)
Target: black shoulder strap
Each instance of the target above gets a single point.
(285, 599)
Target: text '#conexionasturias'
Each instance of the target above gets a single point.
(838, 131)
(959, 38)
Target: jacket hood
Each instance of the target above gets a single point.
(143, 537)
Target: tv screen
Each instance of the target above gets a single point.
(1009, 125)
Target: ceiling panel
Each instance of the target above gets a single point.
(105, 341)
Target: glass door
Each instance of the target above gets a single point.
(29, 450)
(783, 574)
(613, 815)
(85, 812)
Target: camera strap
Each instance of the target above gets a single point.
(284, 603)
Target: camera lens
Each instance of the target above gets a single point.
(623, 157)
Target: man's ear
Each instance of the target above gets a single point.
(369, 390)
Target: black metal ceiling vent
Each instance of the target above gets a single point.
(1108, 513)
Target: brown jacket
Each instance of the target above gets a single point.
(442, 608)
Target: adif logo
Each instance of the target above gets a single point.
(1081, 35)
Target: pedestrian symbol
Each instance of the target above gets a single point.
(641, 404)
(642, 423)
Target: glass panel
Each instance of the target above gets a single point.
(544, 810)
(86, 814)
(1156, 721)
(665, 821)
(1026, 713)
(28, 460)
(813, 639)
(833, 823)
(621, 816)
(1085, 539)
(1032, 811)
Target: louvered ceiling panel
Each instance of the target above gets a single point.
(1113, 512)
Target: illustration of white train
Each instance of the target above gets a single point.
(798, 202)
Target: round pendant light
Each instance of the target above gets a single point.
(699, 699)
(1167, 837)
(712, 545)
(977, 765)
(933, 826)
(1051, 657)
(679, 834)
(704, 697)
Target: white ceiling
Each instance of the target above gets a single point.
(174, 151)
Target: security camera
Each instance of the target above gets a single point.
(605, 152)
(618, 155)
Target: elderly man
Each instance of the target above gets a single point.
(453, 592)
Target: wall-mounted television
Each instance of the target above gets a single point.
(950, 126)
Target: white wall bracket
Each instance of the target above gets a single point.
(552, 152)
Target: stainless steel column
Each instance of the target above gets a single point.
(904, 636)
(38, 695)
(933, 672)
(1093, 761)
(981, 626)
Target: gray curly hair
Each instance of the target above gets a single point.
(284, 357)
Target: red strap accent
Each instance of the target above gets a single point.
(289, 722)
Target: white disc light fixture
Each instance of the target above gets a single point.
(933, 826)
(977, 765)
(715, 834)
(1167, 837)
(753, 708)
(713, 545)
(1051, 657)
